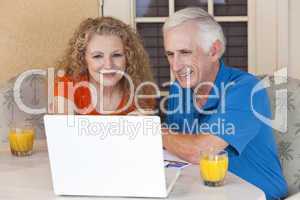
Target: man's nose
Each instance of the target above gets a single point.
(177, 64)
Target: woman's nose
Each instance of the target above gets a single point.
(108, 62)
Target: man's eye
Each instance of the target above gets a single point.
(169, 54)
(185, 52)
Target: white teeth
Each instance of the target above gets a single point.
(107, 71)
(185, 72)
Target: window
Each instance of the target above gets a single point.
(149, 15)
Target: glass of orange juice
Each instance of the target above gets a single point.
(21, 140)
(213, 167)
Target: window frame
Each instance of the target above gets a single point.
(210, 5)
(266, 52)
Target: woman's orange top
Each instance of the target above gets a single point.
(82, 95)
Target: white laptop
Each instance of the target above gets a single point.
(118, 156)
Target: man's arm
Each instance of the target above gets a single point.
(188, 147)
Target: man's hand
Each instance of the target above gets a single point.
(188, 147)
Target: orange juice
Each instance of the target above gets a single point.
(21, 141)
(213, 169)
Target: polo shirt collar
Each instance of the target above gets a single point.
(222, 77)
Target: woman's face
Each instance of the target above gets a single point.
(105, 58)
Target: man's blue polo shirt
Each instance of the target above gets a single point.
(252, 150)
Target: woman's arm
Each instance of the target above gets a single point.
(61, 105)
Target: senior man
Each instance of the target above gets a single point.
(210, 105)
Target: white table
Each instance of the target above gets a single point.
(29, 178)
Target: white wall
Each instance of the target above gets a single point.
(294, 39)
(119, 9)
(265, 36)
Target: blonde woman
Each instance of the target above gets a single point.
(105, 56)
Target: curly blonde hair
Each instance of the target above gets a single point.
(138, 64)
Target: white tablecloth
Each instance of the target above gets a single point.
(29, 178)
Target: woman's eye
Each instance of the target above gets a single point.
(116, 55)
(97, 56)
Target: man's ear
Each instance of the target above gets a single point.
(215, 50)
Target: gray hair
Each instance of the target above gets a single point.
(209, 29)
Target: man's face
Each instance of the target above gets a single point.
(188, 61)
